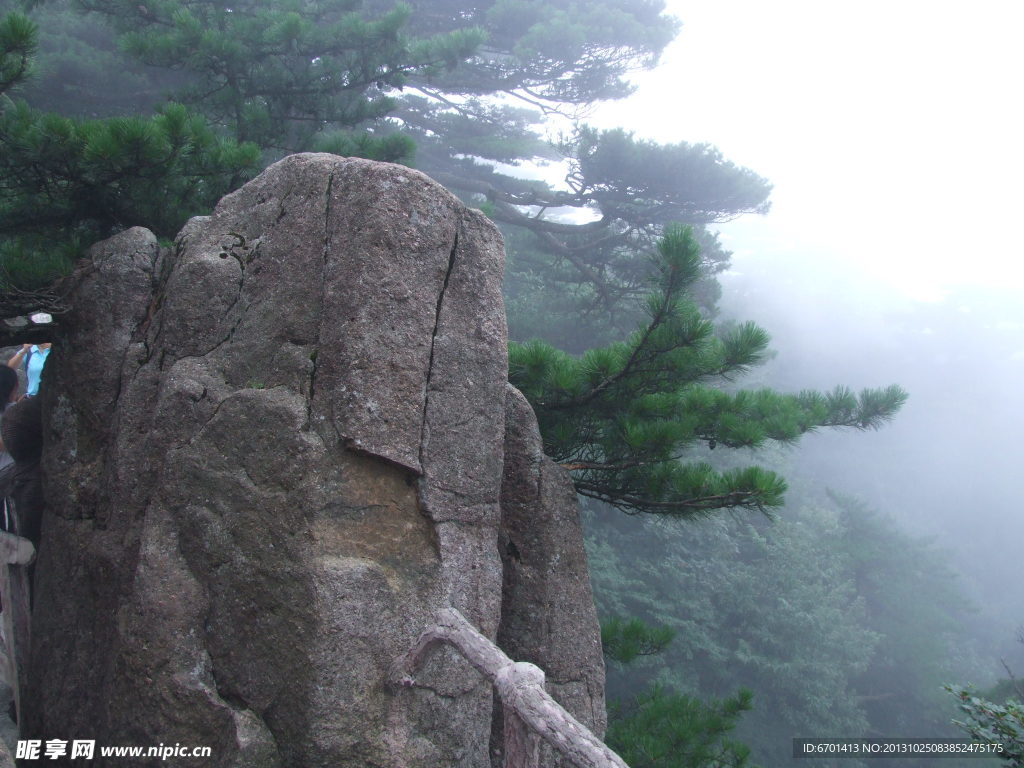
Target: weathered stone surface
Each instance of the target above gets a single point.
(547, 614)
(272, 454)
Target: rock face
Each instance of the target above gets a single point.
(273, 452)
(546, 597)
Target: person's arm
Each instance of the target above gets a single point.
(18, 357)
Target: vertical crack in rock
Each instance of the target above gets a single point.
(433, 341)
(228, 697)
(152, 330)
(323, 298)
(282, 209)
(238, 297)
(312, 388)
(238, 300)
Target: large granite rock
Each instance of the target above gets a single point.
(273, 452)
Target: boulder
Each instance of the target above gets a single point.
(273, 452)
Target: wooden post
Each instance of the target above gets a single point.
(16, 553)
(15, 550)
(522, 745)
(520, 687)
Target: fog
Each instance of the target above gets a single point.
(949, 465)
(890, 254)
(887, 129)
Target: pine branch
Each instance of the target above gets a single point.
(688, 507)
(620, 419)
(18, 45)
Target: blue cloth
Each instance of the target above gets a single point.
(34, 368)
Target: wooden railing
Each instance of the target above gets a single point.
(15, 555)
(530, 714)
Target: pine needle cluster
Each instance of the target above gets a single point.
(624, 640)
(623, 418)
(65, 183)
(18, 44)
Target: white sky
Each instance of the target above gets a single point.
(892, 131)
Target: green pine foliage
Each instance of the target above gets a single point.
(552, 301)
(623, 640)
(18, 45)
(371, 78)
(288, 75)
(622, 418)
(631, 189)
(545, 57)
(661, 729)
(278, 73)
(79, 70)
(558, 51)
(390, 148)
(115, 173)
(65, 183)
(644, 182)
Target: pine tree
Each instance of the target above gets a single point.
(294, 74)
(755, 603)
(65, 183)
(551, 60)
(289, 73)
(80, 71)
(624, 417)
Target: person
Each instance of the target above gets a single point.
(22, 434)
(32, 358)
(9, 390)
